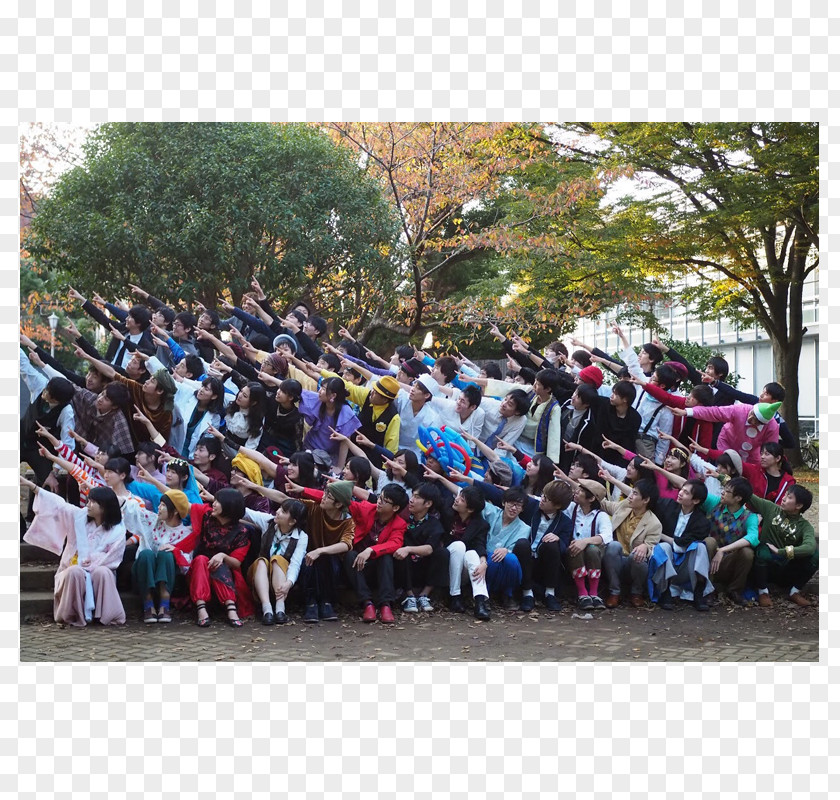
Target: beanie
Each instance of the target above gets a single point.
(284, 338)
(679, 368)
(736, 459)
(341, 492)
(592, 375)
(248, 467)
(428, 383)
(180, 501)
(167, 383)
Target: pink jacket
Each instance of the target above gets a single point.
(736, 434)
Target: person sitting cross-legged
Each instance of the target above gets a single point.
(636, 531)
(787, 552)
(680, 562)
(422, 563)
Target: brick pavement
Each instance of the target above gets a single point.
(623, 635)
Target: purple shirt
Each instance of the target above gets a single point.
(318, 437)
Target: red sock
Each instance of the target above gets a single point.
(594, 581)
(580, 581)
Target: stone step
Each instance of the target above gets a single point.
(36, 604)
(36, 577)
(30, 553)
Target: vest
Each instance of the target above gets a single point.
(375, 431)
(726, 527)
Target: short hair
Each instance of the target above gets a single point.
(528, 375)
(653, 352)
(448, 366)
(667, 376)
(776, 391)
(296, 510)
(703, 394)
(474, 498)
(472, 394)
(559, 493)
(741, 488)
(168, 315)
(121, 467)
(232, 502)
(118, 394)
(625, 390)
(394, 493)
(429, 493)
(61, 390)
(404, 352)
(548, 378)
(520, 401)
(516, 494)
(587, 393)
(719, 365)
(194, 365)
(105, 497)
(589, 464)
(319, 323)
(558, 347)
(582, 357)
(647, 490)
(187, 319)
(802, 496)
(493, 370)
(261, 341)
(141, 315)
(299, 316)
(214, 317)
(698, 490)
(332, 361)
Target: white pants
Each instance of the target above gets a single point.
(463, 561)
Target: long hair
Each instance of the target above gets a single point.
(296, 510)
(545, 474)
(216, 406)
(334, 386)
(305, 463)
(255, 414)
(105, 497)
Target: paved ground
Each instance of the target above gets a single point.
(726, 633)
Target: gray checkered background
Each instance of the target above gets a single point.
(499, 730)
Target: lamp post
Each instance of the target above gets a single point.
(53, 320)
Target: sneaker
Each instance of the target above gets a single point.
(527, 603)
(149, 614)
(386, 616)
(552, 603)
(327, 612)
(310, 614)
(585, 603)
(409, 605)
(424, 604)
(597, 603)
(369, 614)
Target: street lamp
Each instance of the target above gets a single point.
(53, 320)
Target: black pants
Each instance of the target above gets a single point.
(319, 580)
(795, 572)
(377, 571)
(545, 567)
(431, 570)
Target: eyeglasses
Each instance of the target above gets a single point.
(515, 503)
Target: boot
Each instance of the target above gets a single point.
(699, 601)
(482, 608)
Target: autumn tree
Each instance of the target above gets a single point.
(727, 211)
(194, 211)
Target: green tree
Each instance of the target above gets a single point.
(733, 206)
(194, 211)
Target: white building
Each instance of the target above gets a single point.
(747, 350)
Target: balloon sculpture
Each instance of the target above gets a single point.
(448, 447)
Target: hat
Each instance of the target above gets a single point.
(428, 383)
(273, 454)
(278, 363)
(248, 467)
(414, 368)
(501, 473)
(736, 459)
(284, 338)
(594, 488)
(341, 491)
(180, 501)
(387, 386)
(678, 367)
(167, 383)
(764, 412)
(322, 458)
(592, 375)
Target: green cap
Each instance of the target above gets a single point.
(764, 412)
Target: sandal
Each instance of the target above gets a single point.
(202, 623)
(230, 605)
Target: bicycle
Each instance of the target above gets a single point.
(811, 451)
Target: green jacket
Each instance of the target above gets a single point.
(781, 529)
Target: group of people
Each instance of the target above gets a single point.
(240, 456)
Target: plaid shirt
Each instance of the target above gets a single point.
(103, 430)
